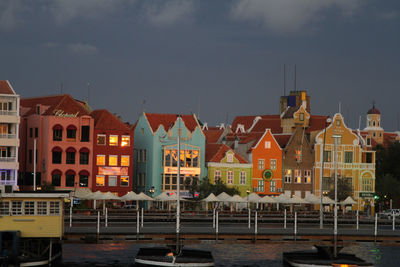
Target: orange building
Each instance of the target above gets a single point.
(267, 165)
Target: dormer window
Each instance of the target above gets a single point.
(301, 117)
(337, 122)
(38, 109)
(229, 158)
(267, 144)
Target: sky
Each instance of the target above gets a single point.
(216, 58)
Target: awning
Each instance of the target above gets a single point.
(71, 127)
(56, 149)
(56, 172)
(57, 127)
(84, 150)
(71, 149)
(70, 172)
(84, 172)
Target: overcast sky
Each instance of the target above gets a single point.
(227, 56)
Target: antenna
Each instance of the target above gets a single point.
(284, 79)
(88, 92)
(359, 123)
(295, 78)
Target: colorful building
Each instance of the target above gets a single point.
(355, 163)
(112, 155)
(224, 164)
(9, 135)
(156, 157)
(61, 128)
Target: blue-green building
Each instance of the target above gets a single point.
(156, 157)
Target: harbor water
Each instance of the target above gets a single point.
(259, 254)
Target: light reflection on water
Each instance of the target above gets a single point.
(261, 254)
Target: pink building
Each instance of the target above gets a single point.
(63, 130)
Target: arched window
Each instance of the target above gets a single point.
(71, 132)
(71, 155)
(56, 155)
(70, 178)
(83, 178)
(57, 132)
(56, 177)
(84, 156)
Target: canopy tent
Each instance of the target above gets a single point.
(311, 198)
(254, 198)
(267, 199)
(223, 197)
(130, 196)
(327, 200)
(110, 196)
(96, 196)
(348, 201)
(211, 198)
(236, 199)
(142, 196)
(174, 197)
(282, 198)
(162, 197)
(297, 200)
(81, 193)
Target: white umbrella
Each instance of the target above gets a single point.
(236, 199)
(313, 199)
(143, 196)
(282, 198)
(267, 199)
(129, 196)
(82, 193)
(211, 198)
(223, 197)
(253, 197)
(297, 200)
(175, 197)
(327, 200)
(348, 201)
(96, 196)
(110, 196)
(162, 197)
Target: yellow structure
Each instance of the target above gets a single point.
(33, 214)
(355, 163)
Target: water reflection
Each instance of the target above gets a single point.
(270, 254)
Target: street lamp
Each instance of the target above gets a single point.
(248, 192)
(321, 212)
(336, 137)
(151, 191)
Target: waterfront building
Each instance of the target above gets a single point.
(156, 157)
(112, 155)
(227, 166)
(61, 128)
(9, 134)
(355, 163)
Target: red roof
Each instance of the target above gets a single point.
(389, 138)
(168, 120)
(248, 121)
(216, 152)
(104, 120)
(373, 110)
(270, 123)
(317, 123)
(5, 88)
(212, 136)
(66, 103)
(282, 139)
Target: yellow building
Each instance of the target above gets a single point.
(355, 163)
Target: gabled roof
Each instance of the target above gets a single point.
(5, 88)
(317, 123)
(282, 139)
(273, 123)
(213, 135)
(216, 152)
(167, 121)
(104, 120)
(65, 103)
(248, 121)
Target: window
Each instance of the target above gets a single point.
(41, 208)
(54, 207)
(85, 133)
(124, 160)
(273, 164)
(112, 160)
(101, 139)
(368, 157)
(56, 179)
(307, 176)
(71, 134)
(229, 158)
(113, 140)
(261, 164)
(30, 132)
(56, 157)
(70, 180)
(348, 157)
(112, 180)
(36, 132)
(301, 118)
(84, 158)
(125, 140)
(367, 184)
(288, 176)
(83, 180)
(373, 123)
(230, 177)
(100, 180)
(267, 144)
(373, 134)
(297, 176)
(29, 208)
(16, 208)
(70, 157)
(327, 156)
(101, 160)
(260, 186)
(242, 179)
(57, 134)
(368, 141)
(298, 155)
(217, 176)
(337, 122)
(272, 186)
(30, 156)
(142, 156)
(124, 181)
(326, 183)
(5, 208)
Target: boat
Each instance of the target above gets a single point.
(174, 255)
(322, 256)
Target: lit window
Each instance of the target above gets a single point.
(267, 144)
(301, 118)
(297, 176)
(288, 176)
(125, 140)
(124, 160)
(101, 160)
(101, 139)
(230, 177)
(307, 176)
(112, 160)
(124, 181)
(100, 180)
(113, 141)
(242, 178)
(273, 164)
(298, 155)
(112, 180)
(261, 164)
(338, 122)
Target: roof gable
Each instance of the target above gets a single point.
(6, 88)
(168, 120)
(104, 120)
(267, 136)
(217, 152)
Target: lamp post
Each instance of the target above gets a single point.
(336, 137)
(151, 191)
(321, 212)
(248, 204)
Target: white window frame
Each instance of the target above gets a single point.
(229, 158)
(229, 177)
(129, 140)
(297, 176)
(272, 186)
(104, 180)
(273, 164)
(288, 176)
(97, 156)
(243, 178)
(261, 164)
(307, 176)
(217, 176)
(267, 144)
(260, 186)
(109, 139)
(112, 177)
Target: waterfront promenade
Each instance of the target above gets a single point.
(231, 227)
